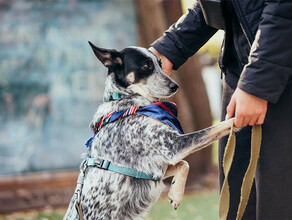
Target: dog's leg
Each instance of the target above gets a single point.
(183, 145)
(180, 172)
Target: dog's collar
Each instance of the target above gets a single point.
(116, 96)
(107, 165)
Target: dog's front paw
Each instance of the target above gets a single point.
(175, 196)
(175, 203)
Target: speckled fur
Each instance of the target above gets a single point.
(138, 142)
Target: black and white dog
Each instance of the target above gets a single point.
(137, 143)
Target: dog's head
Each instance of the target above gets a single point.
(135, 70)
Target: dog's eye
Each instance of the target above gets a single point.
(147, 65)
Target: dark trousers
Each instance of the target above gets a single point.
(271, 195)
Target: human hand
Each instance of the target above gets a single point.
(249, 109)
(166, 64)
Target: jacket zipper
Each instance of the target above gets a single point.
(244, 33)
(238, 12)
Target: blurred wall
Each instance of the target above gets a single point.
(50, 81)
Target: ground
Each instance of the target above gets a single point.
(195, 206)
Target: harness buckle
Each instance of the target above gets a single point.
(103, 164)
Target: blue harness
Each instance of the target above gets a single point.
(165, 112)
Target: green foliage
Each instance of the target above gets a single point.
(213, 46)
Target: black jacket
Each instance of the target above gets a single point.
(265, 24)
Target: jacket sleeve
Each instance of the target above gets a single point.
(269, 67)
(184, 38)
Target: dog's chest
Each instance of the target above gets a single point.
(135, 142)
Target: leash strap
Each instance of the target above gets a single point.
(256, 139)
(79, 210)
(227, 161)
(78, 190)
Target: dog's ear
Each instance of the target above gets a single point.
(109, 58)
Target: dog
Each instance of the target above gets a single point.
(136, 142)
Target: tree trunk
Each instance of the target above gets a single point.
(154, 17)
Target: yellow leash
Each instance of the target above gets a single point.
(79, 210)
(256, 139)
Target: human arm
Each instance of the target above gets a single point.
(184, 37)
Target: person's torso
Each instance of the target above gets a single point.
(242, 19)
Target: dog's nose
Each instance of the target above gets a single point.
(173, 86)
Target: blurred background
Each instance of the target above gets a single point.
(51, 84)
